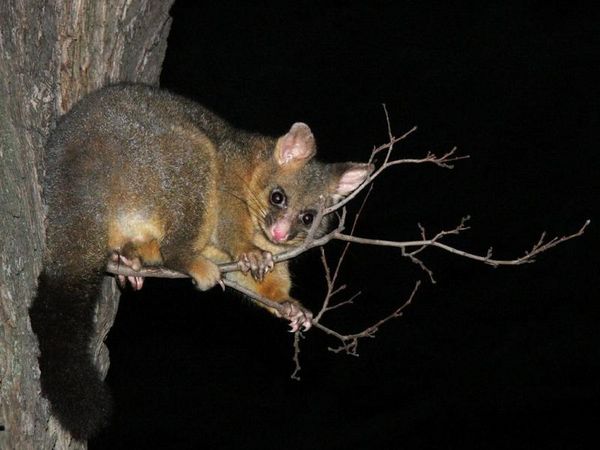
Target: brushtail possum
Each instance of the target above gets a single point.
(147, 178)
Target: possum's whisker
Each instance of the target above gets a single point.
(251, 192)
(253, 207)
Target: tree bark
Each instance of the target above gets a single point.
(51, 54)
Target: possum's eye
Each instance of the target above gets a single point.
(278, 197)
(307, 218)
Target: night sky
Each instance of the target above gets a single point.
(484, 358)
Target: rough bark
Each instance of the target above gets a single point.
(51, 54)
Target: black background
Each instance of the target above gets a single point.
(485, 358)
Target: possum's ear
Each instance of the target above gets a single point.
(347, 177)
(295, 147)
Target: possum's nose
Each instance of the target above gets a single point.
(280, 230)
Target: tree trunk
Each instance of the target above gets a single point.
(51, 54)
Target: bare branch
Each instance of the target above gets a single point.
(148, 272)
(538, 248)
(431, 158)
(254, 296)
(332, 279)
(389, 144)
(350, 341)
(297, 368)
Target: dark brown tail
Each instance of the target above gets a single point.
(62, 317)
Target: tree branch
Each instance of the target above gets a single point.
(528, 257)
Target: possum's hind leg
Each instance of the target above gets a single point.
(135, 255)
(134, 238)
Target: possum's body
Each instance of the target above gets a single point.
(149, 178)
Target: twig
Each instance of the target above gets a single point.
(528, 257)
(332, 279)
(297, 367)
(350, 341)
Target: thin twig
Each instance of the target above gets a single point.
(528, 257)
(350, 341)
(297, 367)
(330, 278)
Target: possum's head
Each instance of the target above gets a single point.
(292, 186)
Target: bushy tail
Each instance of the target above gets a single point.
(62, 317)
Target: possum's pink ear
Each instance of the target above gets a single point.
(296, 146)
(350, 176)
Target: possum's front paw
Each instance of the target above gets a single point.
(257, 262)
(204, 273)
(298, 315)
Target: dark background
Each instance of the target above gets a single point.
(485, 358)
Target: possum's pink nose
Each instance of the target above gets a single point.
(279, 232)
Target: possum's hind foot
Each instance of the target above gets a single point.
(135, 256)
(136, 282)
(300, 318)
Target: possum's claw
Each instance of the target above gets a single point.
(136, 282)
